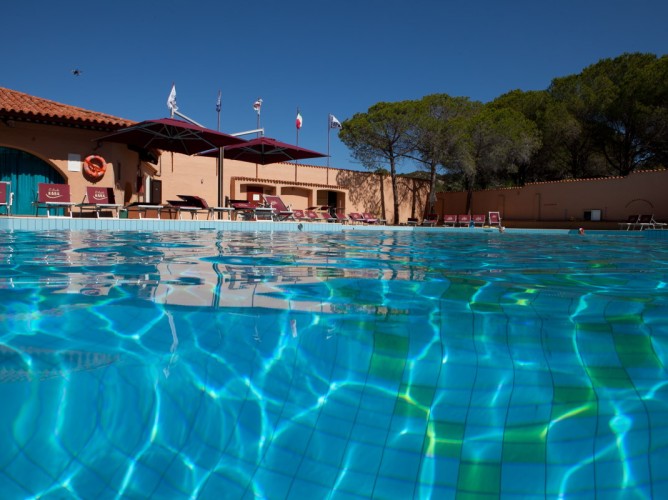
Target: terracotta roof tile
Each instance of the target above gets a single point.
(20, 106)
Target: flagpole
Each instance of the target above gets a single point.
(218, 105)
(329, 129)
(297, 127)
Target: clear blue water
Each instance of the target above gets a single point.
(355, 365)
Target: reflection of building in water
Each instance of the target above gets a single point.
(31, 363)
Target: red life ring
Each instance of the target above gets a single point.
(94, 168)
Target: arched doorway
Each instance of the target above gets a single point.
(24, 171)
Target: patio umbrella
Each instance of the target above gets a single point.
(264, 150)
(173, 135)
(178, 136)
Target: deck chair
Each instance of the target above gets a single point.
(369, 218)
(6, 197)
(495, 219)
(102, 200)
(299, 215)
(356, 218)
(412, 221)
(192, 205)
(53, 197)
(327, 216)
(464, 220)
(658, 225)
(449, 220)
(430, 220)
(630, 223)
(313, 216)
(341, 217)
(646, 221)
(478, 220)
(281, 211)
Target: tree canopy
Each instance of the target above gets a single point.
(610, 119)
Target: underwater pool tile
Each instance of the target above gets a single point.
(485, 417)
(374, 419)
(400, 464)
(362, 433)
(327, 448)
(363, 457)
(390, 487)
(479, 477)
(334, 426)
(266, 483)
(424, 372)
(408, 441)
(523, 452)
(526, 479)
(441, 471)
(354, 485)
(571, 480)
(316, 472)
(302, 488)
(282, 460)
(486, 447)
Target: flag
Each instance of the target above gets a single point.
(299, 120)
(257, 105)
(333, 122)
(171, 100)
(218, 103)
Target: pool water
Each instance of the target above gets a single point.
(352, 365)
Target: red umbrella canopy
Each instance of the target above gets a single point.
(169, 134)
(264, 150)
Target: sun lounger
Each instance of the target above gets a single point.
(281, 211)
(464, 220)
(299, 215)
(369, 218)
(495, 219)
(190, 204)
(101, 200)
(356, 218)
(54, 197)
(646, 221)
(449, 220)
(6, 197)
(658, 225)
(341, 217)
(478, 220)
(630, 223)
(431, 220)
(313, 215)
(412, 221)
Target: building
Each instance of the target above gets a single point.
(47, 141)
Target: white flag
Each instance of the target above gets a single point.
(333, 122)
(257, 105)
(171, 100)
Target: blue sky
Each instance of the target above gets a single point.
(338, 57)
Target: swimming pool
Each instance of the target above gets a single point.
(351, 365)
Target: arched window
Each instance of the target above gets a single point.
(24, 171)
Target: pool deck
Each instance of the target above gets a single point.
(9, 223)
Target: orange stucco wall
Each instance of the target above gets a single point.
(300, 185)
(643, 192)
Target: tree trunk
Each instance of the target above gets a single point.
(395, 192)
(381, 178)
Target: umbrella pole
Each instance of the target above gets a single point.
(221, 184)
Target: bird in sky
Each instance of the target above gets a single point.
(77, 72)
